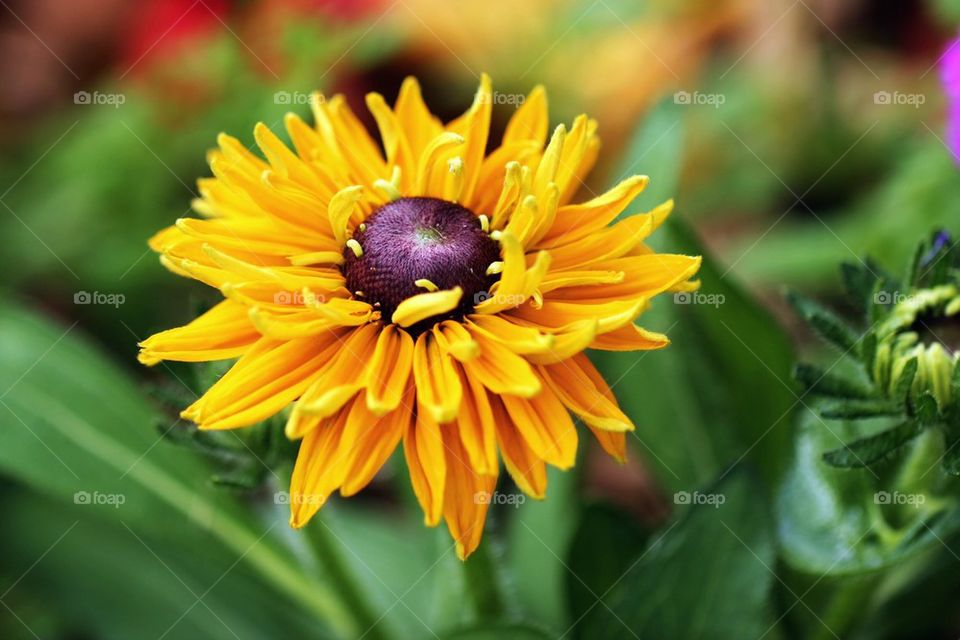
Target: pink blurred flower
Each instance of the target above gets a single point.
(950, 70)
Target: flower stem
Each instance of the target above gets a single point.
(847, 605)
(328, 551)
(482, 579)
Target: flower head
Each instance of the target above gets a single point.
(424, 292)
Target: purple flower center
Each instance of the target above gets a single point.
(414, 239)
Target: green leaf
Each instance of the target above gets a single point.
(830, 327)
(81, 432)
(856, 409)
(914, 270)
(819, 381)
(499, 631)
(162, 578)
(697, 383)
(708, 575)
(861, 282)
(829, 520)
(905, 382)
(927, 410)
(866, 451)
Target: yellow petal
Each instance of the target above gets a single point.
(424, 452)
(454, 339)
(221, 333)
(318, 471)
(546, 426)
(476, 426)
(438, 387)
(531, 120)
(341, 378)
(426, 305)
(389, 370)
(466, 497)
(501, 370)
(340, 209)
(368, 441)
(583, 391)
(526, 468)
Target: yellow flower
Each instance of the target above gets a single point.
(422, 292)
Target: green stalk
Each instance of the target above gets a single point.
(321, 600)
(481, 576)
(326, 549)
(847, 607)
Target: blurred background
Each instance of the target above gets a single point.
(794, 135)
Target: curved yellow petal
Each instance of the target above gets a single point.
(426, 305)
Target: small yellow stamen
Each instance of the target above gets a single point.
(362, 227)
(495, 234)
(355, 247)
(359, 294)
(423, 283)
(484, 222)
(495, 268)
(389, 188)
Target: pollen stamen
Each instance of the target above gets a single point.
(495, 268)
(424, 283)
(484, 222)
(391, 187)
(355, 247)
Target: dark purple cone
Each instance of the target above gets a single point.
(413, 238)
